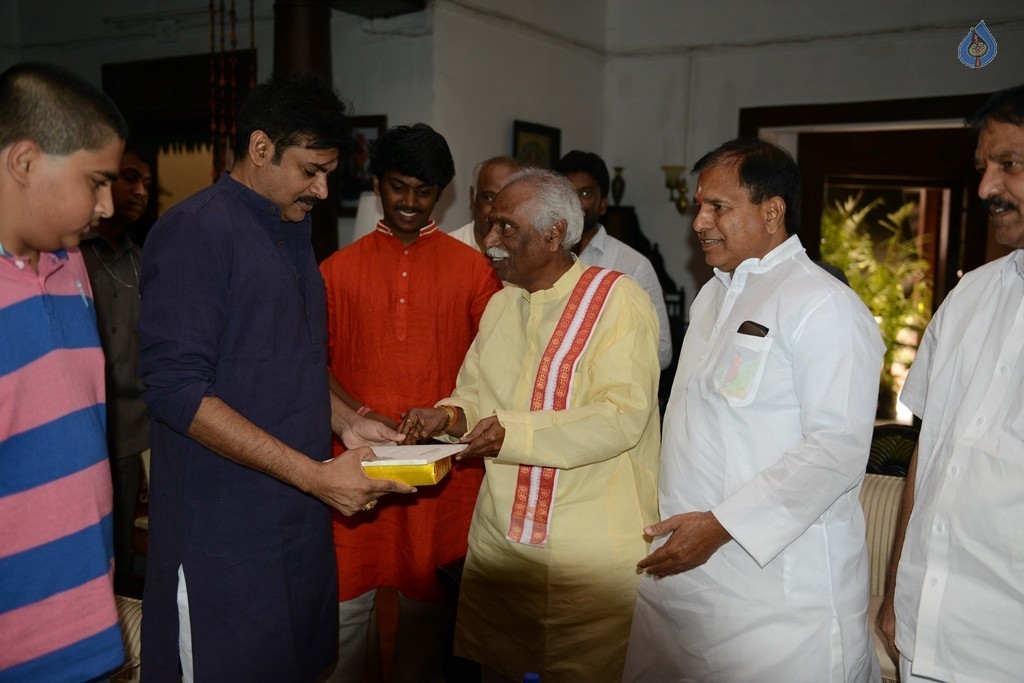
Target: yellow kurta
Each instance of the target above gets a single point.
(564, 609)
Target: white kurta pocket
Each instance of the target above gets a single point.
(740, 369)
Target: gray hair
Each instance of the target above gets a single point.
(554, 199)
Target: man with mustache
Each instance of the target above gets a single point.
(558, 395)
(759, 567)
(114, 262)
(240, 575)
(403, 305)
(952, 609)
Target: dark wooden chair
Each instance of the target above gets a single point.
(892, 446)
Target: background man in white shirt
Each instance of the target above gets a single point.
(488, 177)
(589, 175)
(959, 586)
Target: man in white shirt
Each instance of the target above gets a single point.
(488, 177)
(589, 175)
(759, 566)
(959, 586)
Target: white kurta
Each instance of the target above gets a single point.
(606, 251)
(772, 435)
(960, 587)
(467, 235)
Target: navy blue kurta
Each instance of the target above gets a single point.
(233, 306)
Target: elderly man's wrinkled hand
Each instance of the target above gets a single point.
(343, 485)
(694, 538)
(485, 440)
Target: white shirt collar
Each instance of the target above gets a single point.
(1013, 267)
(787, 250)
(597, 242)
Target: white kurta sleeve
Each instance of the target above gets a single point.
(836, 358)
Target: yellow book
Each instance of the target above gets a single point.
(416, 465)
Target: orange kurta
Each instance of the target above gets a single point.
(400, 320)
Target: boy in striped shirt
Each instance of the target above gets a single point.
(60, 146)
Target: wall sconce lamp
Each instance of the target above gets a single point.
(678, 193)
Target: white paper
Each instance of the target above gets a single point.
(416, 454)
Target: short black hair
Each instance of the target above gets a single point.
(416, 151)
(146, 153)
(1005, 106)
(764, 169)
(294, 110)
(585, 162)
(58, 110)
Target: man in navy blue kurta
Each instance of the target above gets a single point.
(241, 582)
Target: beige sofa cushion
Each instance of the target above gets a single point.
(880, 497)
(130, 612)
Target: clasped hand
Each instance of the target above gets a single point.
(343, 484)
(485, 439)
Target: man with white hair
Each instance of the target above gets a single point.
(559, 393)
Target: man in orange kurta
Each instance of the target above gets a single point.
(403, 306)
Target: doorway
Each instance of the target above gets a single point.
(911, 143)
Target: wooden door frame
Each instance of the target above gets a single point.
(966, 247)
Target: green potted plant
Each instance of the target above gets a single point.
(885, 268)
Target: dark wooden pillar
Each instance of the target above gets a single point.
(302, 44)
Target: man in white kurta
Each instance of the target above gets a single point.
(760, 571)
(589, 175)
(552, 590)
(959, 591)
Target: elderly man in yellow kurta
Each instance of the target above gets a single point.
(559, 393)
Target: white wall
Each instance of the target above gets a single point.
(469, 69)
(491, 70)
(383, 66)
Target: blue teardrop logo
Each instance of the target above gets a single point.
(978, 48)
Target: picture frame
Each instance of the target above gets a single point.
(534, 144)
(354, 176)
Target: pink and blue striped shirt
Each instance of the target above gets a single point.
(58, 619)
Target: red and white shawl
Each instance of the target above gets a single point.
(533, 506)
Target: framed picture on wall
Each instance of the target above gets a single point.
(535, 145)
(353, 176)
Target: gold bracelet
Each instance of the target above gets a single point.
(453, 415)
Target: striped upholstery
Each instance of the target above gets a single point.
(130, 612)
(880, 497)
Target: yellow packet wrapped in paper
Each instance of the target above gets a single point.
(416, 465)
